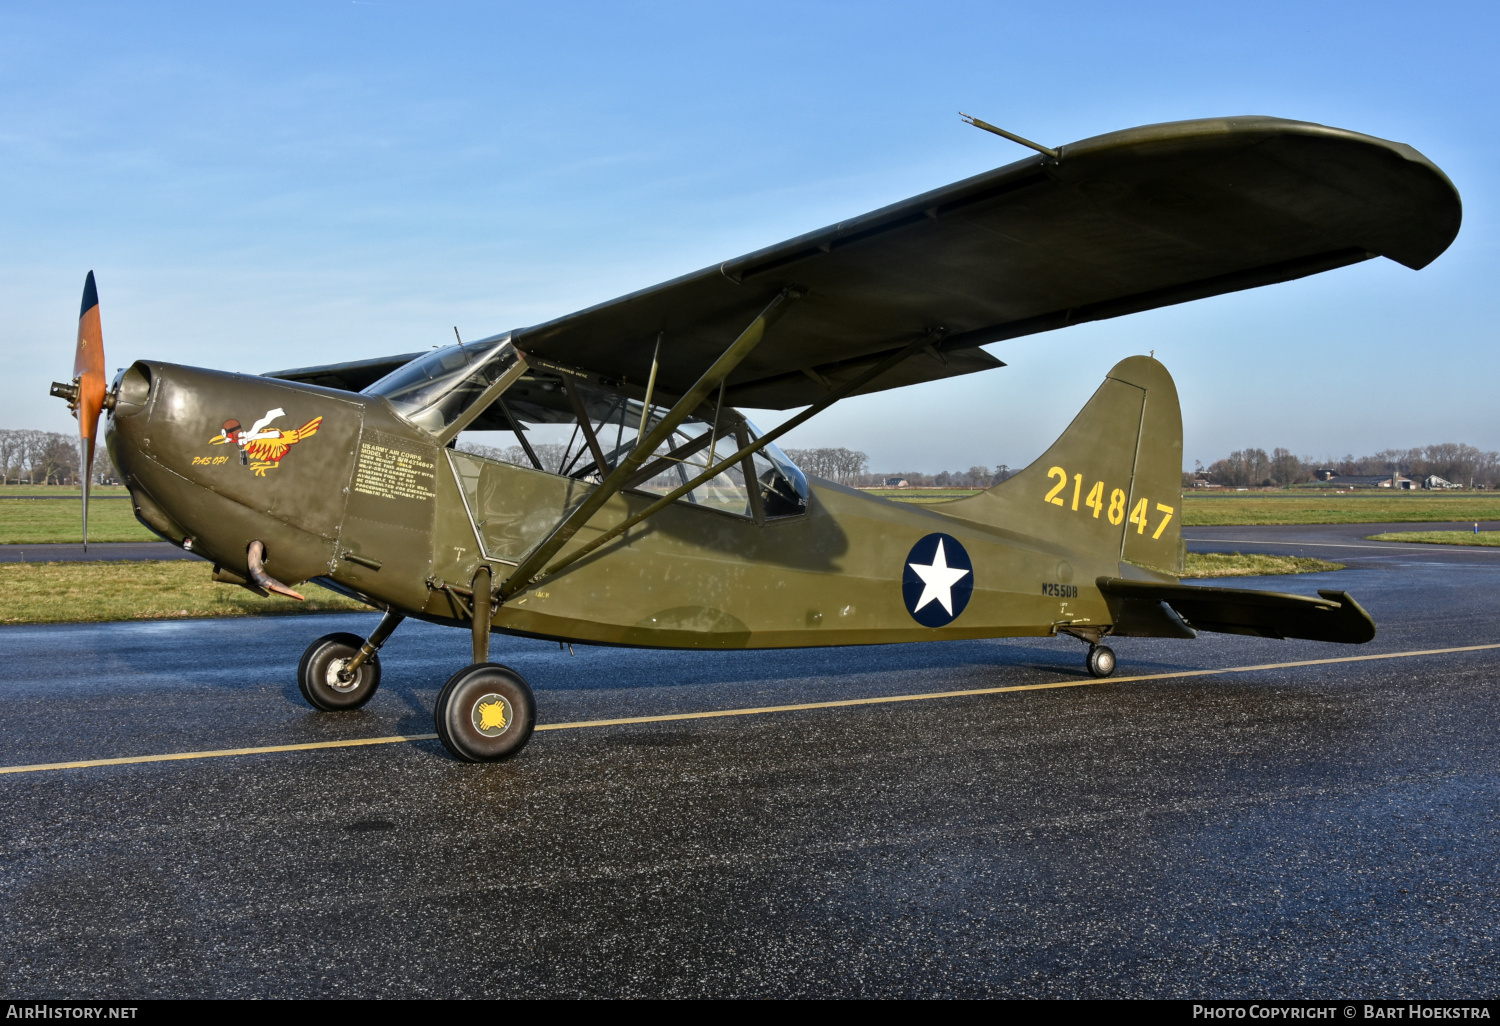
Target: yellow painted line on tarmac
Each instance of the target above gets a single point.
(1002, 690)
(752, 711)
(217, 753)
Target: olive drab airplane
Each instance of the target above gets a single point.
(669, 520)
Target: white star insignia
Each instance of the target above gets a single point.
(938, 580)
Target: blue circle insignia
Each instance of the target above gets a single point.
(937, 581)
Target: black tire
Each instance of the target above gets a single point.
(1101, 660)
(485, 713)
(317, 674)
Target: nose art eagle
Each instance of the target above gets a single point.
(265, 446)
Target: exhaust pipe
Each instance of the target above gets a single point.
(255, 556)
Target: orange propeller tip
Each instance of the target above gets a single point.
(88, 385)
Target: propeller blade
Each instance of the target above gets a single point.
(88, 378)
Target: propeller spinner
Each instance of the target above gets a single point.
(86, 393)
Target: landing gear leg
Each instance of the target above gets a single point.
(485, 713)
(342, 671)
(481, 617)
(1101, 660)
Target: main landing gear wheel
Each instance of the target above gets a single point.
(485, 713)
(1101, 660)
(318, 674)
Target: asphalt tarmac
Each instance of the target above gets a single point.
(106, 552)
(1326, 830)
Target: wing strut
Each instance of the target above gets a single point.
(645, 446)
(746, 451)
(582, 413)
(520, 434)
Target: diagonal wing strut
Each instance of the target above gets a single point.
(748, 450)
(645, 446)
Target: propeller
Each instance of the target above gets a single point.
(85, 395)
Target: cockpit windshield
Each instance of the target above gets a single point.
(433, 391)
(785, 484)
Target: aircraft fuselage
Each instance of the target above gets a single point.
(370, 505)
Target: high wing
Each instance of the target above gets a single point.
(1124, 222)
(351, 377)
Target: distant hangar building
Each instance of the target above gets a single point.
(1368, 481)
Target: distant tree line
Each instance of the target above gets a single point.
(550, 453)
(845, 466)
(851, 467)
(1455, 462)
(46, 457)
(974, 477)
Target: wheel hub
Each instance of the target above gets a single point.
(335, 679)
(492, 714)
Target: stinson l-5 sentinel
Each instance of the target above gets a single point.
(670, 521)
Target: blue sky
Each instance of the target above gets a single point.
(261, 186)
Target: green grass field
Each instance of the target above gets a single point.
(922, 495)
(29, 521)
(155, 590)
(58, 491)
(1238, 564)
(1490, 538)
(1365, 507)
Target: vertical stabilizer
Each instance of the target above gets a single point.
(1111, 486)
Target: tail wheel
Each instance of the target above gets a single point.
(1101, 660)
(485, 713)
(318, 674)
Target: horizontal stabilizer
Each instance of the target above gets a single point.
(1265, 614)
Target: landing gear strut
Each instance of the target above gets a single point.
(342, 671)
(485, 713)
(1101, 658)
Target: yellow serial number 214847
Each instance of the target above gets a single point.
(1114, 511)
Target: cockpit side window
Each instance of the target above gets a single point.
(783, 484)
(583, 431)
